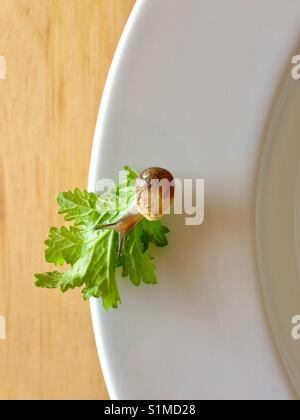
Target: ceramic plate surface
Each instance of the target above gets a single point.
(192, 88)
(278, 224)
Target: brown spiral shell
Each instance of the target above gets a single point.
(154, 192)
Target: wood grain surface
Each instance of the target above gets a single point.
(58, 53)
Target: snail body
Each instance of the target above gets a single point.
(154, 193)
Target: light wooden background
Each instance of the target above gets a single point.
(58, 53)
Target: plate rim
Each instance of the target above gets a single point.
(96, 151)
(285, 88)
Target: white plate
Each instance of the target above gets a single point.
(278, 224)
(191, 88)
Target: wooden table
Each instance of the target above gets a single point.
(58, 53)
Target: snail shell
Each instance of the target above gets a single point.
(154, 193)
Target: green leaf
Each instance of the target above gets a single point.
(101, 274)
(93, 254)
(48, 280)
(64, 245)
(79, 207)
(137, 263)
(131, 175)
(112, 206)
(95, 269)
(155, 233)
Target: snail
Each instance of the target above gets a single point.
(154, 193)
